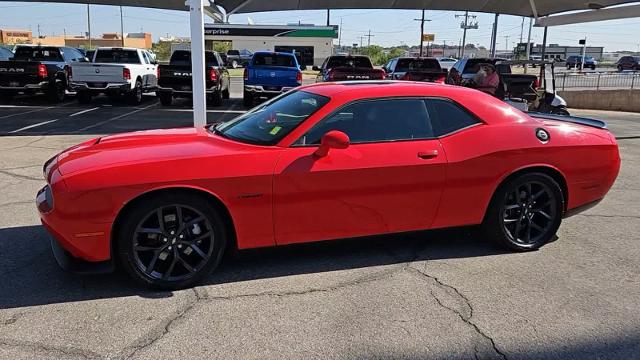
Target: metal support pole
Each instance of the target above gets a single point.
(89, 25)
(196, 23)
(121, 27)
(328, 17)
(464, 33)
(544, 52)
(494, 36)
(528, 56)
(421, 32)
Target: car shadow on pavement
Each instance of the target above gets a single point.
(30, 276)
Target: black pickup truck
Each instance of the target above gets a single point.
(38, 69)
(415, 69)
(523, 85)
(348, 67)
(174, 80)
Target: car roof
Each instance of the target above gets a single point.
(383, 88)
(273, 52)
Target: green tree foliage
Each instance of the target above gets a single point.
(380, 56)
(162, 50)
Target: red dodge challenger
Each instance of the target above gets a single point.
(321, 162)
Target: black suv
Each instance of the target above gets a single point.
(575, 61)
(629, 63)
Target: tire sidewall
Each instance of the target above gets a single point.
(493, 225)
(124, 239)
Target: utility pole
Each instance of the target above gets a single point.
(494, 36)
(121, 26)
(39, 31)
(465, 26)
(422, 21)
(528, 53)
(340, 34)
(89, 24)
(521, 30)
(444, 48)
(361, 37)
(506, 43)
(369, 38)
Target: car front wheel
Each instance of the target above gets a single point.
(172, 241)
(525, 212)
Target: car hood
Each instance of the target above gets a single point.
(143, 147)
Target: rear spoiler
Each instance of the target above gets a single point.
(570, 119)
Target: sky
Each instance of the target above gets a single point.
(388, 27)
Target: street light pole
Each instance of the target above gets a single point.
(89, 24)
(121, 27)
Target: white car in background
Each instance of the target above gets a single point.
(446, 63)
(116, 72)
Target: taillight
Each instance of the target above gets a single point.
(69, 72)
(213, 76)
(126, 74)
(383, 75)
(536, 83)
(42, 70)
(441, 79)
(246, 74)
(158, 72)
(299, 77)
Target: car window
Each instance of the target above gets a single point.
(117, 56)
(37, 53)
(375, 121)
(268, 123)
(274, 60)
(349, 61)
(417, 65)
(447, 116)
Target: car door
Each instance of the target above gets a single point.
(148, 73)
(389, 179)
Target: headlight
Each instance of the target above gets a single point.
(44, 199)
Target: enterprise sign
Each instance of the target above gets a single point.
(325, 32)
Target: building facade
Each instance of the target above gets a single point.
(135, 40)
(311, 43)
(12, 37)
(561, 52)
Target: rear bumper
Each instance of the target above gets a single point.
(27, 87)
(261, 90)
(162, 89)
(82, 86)
(581, 208)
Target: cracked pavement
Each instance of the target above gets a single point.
(436, 295)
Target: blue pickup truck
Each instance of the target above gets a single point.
(269, 74)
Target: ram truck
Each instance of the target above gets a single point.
(116, 72)
(348, 67)
(415, 69)
(175, 79)
(269, 74)
(38, 69)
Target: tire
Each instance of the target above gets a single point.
(179, 262)
(216, 98)
(507, 216)
(84, 97)
(620, 69)
(57, 92)
(166, 98)
(225, 94)
(247, 99)
(135, 96)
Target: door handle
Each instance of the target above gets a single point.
(428, 154)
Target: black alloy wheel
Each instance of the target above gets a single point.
(171, 242)
(136, 93)
(57, 92)
(526, 212)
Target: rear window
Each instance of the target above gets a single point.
(473, 65)
(417, 64)
(349, 62)
(184, 58)
(274, 60)
(117, 56)
(37, 53)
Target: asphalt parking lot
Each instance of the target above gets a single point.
(432, 295)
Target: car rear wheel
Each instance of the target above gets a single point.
(166, 99)
(57, 92)
(135, 97)
(84, 97)
(525, 212)
(225, 94)
(247, 99)
(171, 242)
(216, 98)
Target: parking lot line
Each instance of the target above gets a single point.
(26, 112)
(32, 126)
(116, 118)
(84, 111)
(209, 111)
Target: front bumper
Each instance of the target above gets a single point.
(27, 87)
(267, 90)
(73, 264)
(83, 86)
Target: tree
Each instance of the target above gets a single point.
(162, 50)
(375, 53)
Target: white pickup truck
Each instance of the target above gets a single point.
(115, 72)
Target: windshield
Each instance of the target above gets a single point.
(37, 53)
(274, 60)
(117, 56)
(349, 61)
(268, 123)
(417, 64)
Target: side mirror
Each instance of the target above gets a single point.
(332, 140)
(315, 68)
